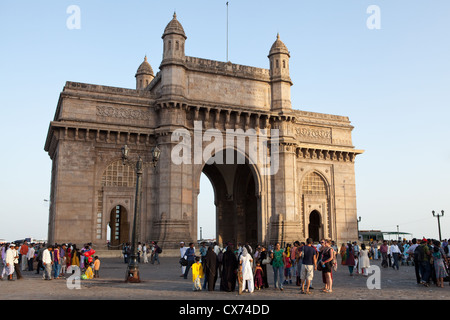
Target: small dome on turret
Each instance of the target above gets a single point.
(174, 27)
(278, 47)
(145, 68)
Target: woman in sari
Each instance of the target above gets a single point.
(350, 258)
(343, 252)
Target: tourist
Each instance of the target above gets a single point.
(139, 252)
(30, 257)
(375, 250)
(258, 276)
(264, 257)
(190, 257)
(364, 260)
(210, 267)
(395, 253)
(39, 258)
(157, 251)
(343, 253)
(309, 264)
(75, 260)
(229, 268)
(197, 274)
(424, 255)
(126, 251)
(17, 266)
(412, 254)
(23, 255)
(145, 252)
(182, 254)
(298, 261)
(438, 262)
(384, 254)
(287, 269)
(9, 261)
(277, 257)
(203, 250)
(96, 267)
(56, 262)
(350, 258)
(47, 262)
(328, 257)
(245, 262)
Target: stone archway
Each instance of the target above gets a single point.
(235, 197)
(119, 226)
(315, 226)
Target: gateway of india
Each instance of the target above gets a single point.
(311, 194)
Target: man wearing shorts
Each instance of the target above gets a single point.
(309, 264)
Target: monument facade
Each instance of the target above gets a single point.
(189, 109)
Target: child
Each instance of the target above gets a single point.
(258, 276)
(89, 274)
(63, 265)
(96, 267)
(197, 274)
(287, 270)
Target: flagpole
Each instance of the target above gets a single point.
(227, 31)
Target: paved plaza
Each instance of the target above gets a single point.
(163, 282)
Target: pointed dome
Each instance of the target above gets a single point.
(174, 27)
(145, 68)
(278, 47)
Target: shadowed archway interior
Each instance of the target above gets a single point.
(235, 200)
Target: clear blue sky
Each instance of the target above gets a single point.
(393, 83)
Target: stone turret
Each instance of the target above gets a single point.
(144, 75)
(279, 76)
(173, 63)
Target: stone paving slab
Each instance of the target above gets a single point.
(163, 282)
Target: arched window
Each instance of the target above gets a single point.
(313, 184)
(118, 175)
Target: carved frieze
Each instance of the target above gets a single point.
(123, 113)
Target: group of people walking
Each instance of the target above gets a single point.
(148, 251)
(53, 260)
(429, 257)
(248, 269)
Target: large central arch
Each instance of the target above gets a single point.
(237, 190)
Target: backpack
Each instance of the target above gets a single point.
(159, 250)
(419, 253)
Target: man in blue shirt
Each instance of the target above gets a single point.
(309, 264)
(190, 257)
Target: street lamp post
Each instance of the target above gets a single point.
(438, 216)
(357, 225)
(133, 265)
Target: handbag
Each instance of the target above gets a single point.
(267, 261)
(319, 266)
(183, 262)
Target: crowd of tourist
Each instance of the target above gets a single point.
(242, 266)
(247, 268)
(53, 261)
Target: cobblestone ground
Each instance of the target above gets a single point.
(162, 282)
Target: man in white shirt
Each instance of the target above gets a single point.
(9, 260)
(30, 257)
(395, 252)
(47, 263)
(182, 254)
